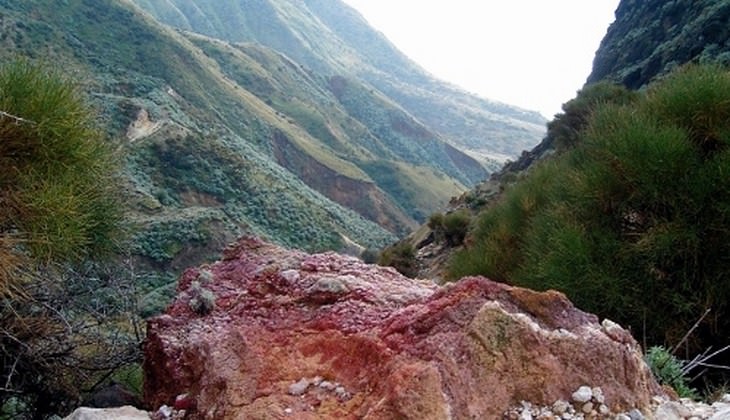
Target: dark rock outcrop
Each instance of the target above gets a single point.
(651, 37)
(113, 395)
(327, 336)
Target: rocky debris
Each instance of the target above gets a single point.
(142, 126)
(586, 404)
(327, 336)
(120, 413)
(684, 408)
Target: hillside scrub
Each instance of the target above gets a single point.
(402, 257)
(566, 128)
(452, 227)
(633, 222)
(62, 326)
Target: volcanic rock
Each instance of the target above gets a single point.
(326, 336)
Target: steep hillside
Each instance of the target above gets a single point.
(647, 40)
(347, 120)
(333, 39)
(347, 130)
(199, 146)
(650, 38)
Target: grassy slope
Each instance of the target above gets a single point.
(331, 38)
(348, 120)
(474, 124)
(206, 173)
(303, 96)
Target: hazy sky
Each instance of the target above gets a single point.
(531, 53)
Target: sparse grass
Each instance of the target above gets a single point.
(668, 370)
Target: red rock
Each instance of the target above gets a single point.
(374, 344)
(184, 402)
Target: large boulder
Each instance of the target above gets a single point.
(268, 332)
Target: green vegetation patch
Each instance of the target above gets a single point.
(633, 221)
(59, 177)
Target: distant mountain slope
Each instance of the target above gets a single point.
(333, 39)
(226, 138)
(650, 38)
(200, 148)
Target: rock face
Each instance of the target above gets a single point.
(283, 333)
(651, 37)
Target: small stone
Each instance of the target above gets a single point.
(512, 415)
(702, 411)
(672, 410)
(329, 386)
(587, 407)
(598, 395)
(525, 415)
(342, 393)
(721, 414)
(299, 388)
(184, 402)
(582, 395)
(288, 410)
(165, 411)
(719, 404)
(290, 276)
(622, 417)
(603, 409)
(636, 415)
(560, 407)
(205, 276)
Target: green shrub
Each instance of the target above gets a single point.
(566, 128)
(59, 187)
(402, 257)
(131, 377)
(62, 323)
(369, 255)
(452, 227)
(436, 222)
(456, 226)
(639, 205)
(668, 370)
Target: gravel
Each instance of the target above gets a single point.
(588, 403)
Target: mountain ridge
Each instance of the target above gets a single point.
(649, 39)
(489, 128)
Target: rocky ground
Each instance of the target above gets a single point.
(589, 403)
(272, 333)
